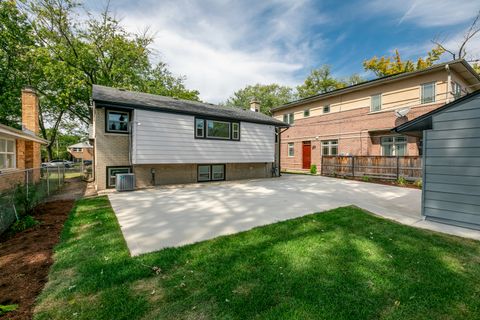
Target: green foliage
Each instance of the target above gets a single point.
(419, 183)
(24, 223)
(269, 96)
(313, 169)
(319, 81)
(26, 197)
(476, 67)
(15, 41)
(366, 178)
(401, 181)
(7, 308)
(384, 66)
(339, 264)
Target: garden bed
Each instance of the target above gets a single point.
(25, 258)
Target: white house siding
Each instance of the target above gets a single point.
(161, 138)
(452, 166)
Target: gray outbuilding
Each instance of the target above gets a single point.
(451, 161)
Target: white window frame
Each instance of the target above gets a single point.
(77, 149)
(289, 118)
(291, 149)
(371, 102)
(214, 137)
(456, 90)
(197, 122)
(422, 88)
(108, 130)
(6, 152)
(394, 144)
(329, 144)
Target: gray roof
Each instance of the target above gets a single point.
(81, 145)
(107, 96)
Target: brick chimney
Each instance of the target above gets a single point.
(254, 105)
(30, 149)
(30, 109)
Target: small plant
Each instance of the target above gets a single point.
(419, 183)
(26, 198)
(401, 181)
(7, 308)
(313, 169)
(366, 179)
(24, 223)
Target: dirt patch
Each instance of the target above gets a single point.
(26, 257)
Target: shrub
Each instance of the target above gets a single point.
(313, 169)
(26, 198)
(366, 178)
(23, 224)
(401, 181)
(419, 183)
(7, 308)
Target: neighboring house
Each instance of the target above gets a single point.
(20, 149)
(357, 120)
(451, 161)
(164, 140)
(81, 151)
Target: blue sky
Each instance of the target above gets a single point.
(222, 46)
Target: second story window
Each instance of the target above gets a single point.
(306, 113)
(77, 149)
(117, 121)
(216, 129)
(288, 118)
(326, 109)
(456, 90)
(428, 93)
(376, 103)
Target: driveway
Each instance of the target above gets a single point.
(153, 219)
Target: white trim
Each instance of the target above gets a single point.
(6, 152)
(291, 145)
(371, 102)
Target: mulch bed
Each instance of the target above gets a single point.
(26, 257)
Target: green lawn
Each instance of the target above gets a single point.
(341, 264)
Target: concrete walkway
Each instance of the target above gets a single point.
(153, 219)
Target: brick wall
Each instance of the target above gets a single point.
(111, 149)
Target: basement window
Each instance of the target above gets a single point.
(112, 174)
(210, 172)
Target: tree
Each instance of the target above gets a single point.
(15, 40)
(70, 54)
(269, 96)
(461, 52)
(319, 81)
(352, 80)
(384, 66)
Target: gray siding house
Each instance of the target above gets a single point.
(163, 140)
(451, 161)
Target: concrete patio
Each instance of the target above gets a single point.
(153, 219)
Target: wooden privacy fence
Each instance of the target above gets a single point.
(408, 167)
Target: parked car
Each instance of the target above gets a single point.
(57, 163)
(87, 162)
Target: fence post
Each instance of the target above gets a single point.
(398, 167)
(48, 181)
(353, 166)
(27, 182)
(58, 174)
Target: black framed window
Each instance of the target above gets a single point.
(112, 174)
(306, 113)
(210, 172)
(117, 121)
(217, 129)
(326, 109)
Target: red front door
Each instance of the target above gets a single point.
(306, 155)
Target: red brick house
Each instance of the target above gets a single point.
(20, 149)
(357, 120)
(81, 151)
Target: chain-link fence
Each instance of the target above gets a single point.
(20, 186)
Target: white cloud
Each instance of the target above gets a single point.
(221, 46)
(429, 13)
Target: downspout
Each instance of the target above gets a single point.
(449, 83)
